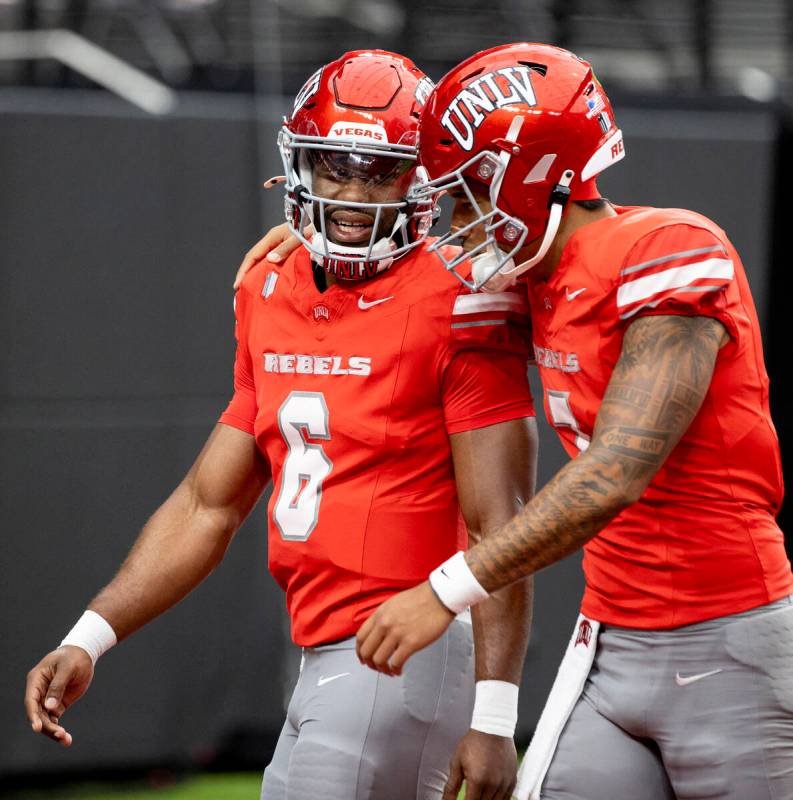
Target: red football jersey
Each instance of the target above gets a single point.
(351, 394)
(702, 541)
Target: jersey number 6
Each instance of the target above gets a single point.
(296, 511)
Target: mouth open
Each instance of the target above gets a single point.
(349, 227)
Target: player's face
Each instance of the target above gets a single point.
(347, 178)
(464, 213)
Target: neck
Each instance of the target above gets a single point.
(574, 219)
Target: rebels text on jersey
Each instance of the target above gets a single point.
(702, 541)
(351, 394)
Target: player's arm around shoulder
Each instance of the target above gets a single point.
(275, 246)
(495, 469)
(178, 547)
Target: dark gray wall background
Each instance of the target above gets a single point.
(119, 238)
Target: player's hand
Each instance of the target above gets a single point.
(276, 245)
(401, 626)
(488, 764)
(57, 681)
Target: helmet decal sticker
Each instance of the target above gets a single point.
(309, 89)
(423, 89)
(358, 130)
(493, 90)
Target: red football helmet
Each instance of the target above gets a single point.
(357, 117)
(532, 125)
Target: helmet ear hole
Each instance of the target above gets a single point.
(302, 195)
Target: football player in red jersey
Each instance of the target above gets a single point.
(361, 392)
(677, 680)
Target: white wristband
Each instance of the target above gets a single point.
(495, 708)
(455, 584)
(93, 633)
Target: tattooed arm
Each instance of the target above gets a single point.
(654, 393)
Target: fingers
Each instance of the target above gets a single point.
(376, 644)
(452, 788)
(288, 246)
(54, 696)
(400, 655)
(479, 790)
(369, 638)
(276, 246)
(34, 690)
(479, 787)
(252, 257)
(381, 660)
(41, 720)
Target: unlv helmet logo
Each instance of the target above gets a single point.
(584, 633)
(491, 91)
(310, 88)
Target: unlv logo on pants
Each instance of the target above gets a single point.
(584, 633)
(493, 90)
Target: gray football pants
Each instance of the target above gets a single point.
(355, 734)
(702, 711)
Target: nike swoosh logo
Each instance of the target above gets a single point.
(363, 304)
(680, 681)
(322, 680)
(572, 295)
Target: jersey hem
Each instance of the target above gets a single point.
(234, 421)
(682, 621)
(485, 420)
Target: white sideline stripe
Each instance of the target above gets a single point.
(642, 288)
(500, 301)
(654, 303)
(478, 323)
(682, 254)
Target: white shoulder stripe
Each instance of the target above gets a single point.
(498, 301)
(672, 256)
(675, 278)
(654, 303)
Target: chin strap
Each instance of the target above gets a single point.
(557, 202)
(508, 273)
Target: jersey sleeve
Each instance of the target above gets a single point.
(484, 379)
(241, 411)
(677, 269)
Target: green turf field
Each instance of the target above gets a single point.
(231, 786)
